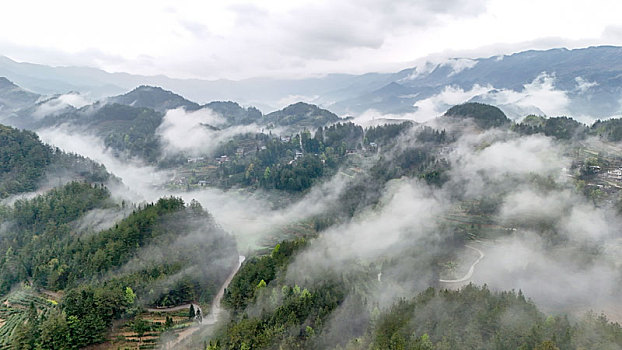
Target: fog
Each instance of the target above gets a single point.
(140, 180)
(59, 104)
(101, 219)
(196, 132)
(407, 215)
(558, 247)
(250, 217)
(539, 97)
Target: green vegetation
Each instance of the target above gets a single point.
(562, 128)
(386, 134)
(169, 253)
(297, 313)
(257, 272)
(295, 317)
(23, 161)
(476, 318)
(234, 114)
(301, 115)
(41, 231)
(153, 97)
(98, 273)
(293, 324)
(125, 129)
(16, 309)
(610, 129)
(485, 116)
(295, 163)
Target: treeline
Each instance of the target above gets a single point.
(562, 127)
(477, 318)
(566, 128)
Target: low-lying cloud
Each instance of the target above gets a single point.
(59, 104)
(138, 177)
(196, 132)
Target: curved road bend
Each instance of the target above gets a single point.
(469, 274)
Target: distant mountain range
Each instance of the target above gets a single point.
(580, 82)
(128, 123)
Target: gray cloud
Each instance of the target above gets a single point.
(330, 29)
(299, 37)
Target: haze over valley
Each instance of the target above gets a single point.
(354, 192)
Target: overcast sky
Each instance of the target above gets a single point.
(241, 39)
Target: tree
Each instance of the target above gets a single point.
(169, 322)
(140, 327)
(130, 296)
(54, 331)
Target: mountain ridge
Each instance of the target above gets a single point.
(350, 93)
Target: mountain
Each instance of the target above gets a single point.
(301, 115)
(369, 234)
(485, 116)
(13, 98)
(27, 164)
(153, 97)
(590, 78)
(234, 114)
(584, 82)
(265, 93)
(124, 129)
(23, 161)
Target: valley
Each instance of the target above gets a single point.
(148, 221)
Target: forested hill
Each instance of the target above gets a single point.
(13, 98)
(335, 314)
(301, 115)
(234, 114)
(153, 97)
(25, 161)
(162, 254)
(485, 116)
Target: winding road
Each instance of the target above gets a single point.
(216, 309)
(213, 315)
(469, 274)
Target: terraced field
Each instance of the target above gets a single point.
(14, 310)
